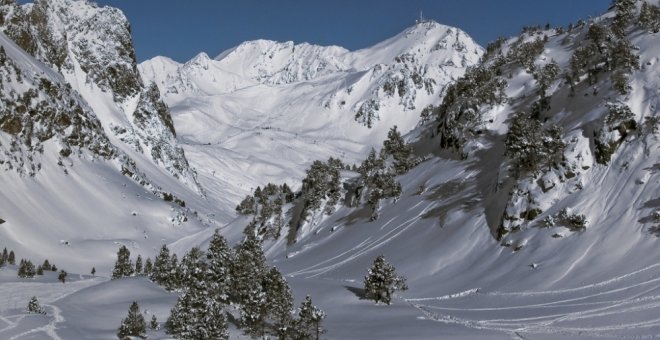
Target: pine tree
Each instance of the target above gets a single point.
(123, 266)
(402, 153)
(148, 267)
(308, 325)
(46, 265)
(288, 193)
(220, 258)
(62, 276)
(530, 146)
(381, 281)
(370, 165)
(249, 266)
(546, 76)
(4, 257)
(625, 12)
(138, 265)
(254, 308)
(26, 269)
(279, 300)
(193, 269)
(11, 258)
(93, 272)
(40, 270)
(154, 323)
(133, 325)
(34, 306)
(247, 274)
(196, 314)
(248, 206)
(21, 268)
(161, 268)
(174, 277)
(649, 17)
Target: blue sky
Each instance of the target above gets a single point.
(181, 29)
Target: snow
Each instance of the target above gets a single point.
(298, 102)
(257, 113)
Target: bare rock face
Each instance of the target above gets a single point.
(36, 107)
(90, 46)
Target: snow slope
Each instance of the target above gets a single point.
(534, 282)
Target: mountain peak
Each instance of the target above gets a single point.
(200, 60)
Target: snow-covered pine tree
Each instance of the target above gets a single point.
(133, 325)
(47, 265)
(248, 206)
(649, 17)
(160, 273)
(279, 300)
(40, 270)
(249, 266)
(308, 324)
(196, 314)
(21, 268)
(220, 258)
(138, 265)
(123, 266)
(174, 276)
(370, 165)
(402, 153)
(625, 12)
(193, 269)
(287, 193)
(530, 147)
(26, 269)
(3, 257)
(374, 202)
(62, 276)
(148, 267)
(247, 274)
(11, 258)
(153, 324)
(545, 76)
(34, 306)
(254, 308)
(382, 281)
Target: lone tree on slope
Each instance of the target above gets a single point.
(381, 281)
(34, 306)
(133, 325)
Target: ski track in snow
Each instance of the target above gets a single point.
(362, 248)
(17, 294)
(556, 313)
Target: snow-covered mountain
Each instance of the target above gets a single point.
(524, 206)
(533, 213)
(537, 217)
(263, 111)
